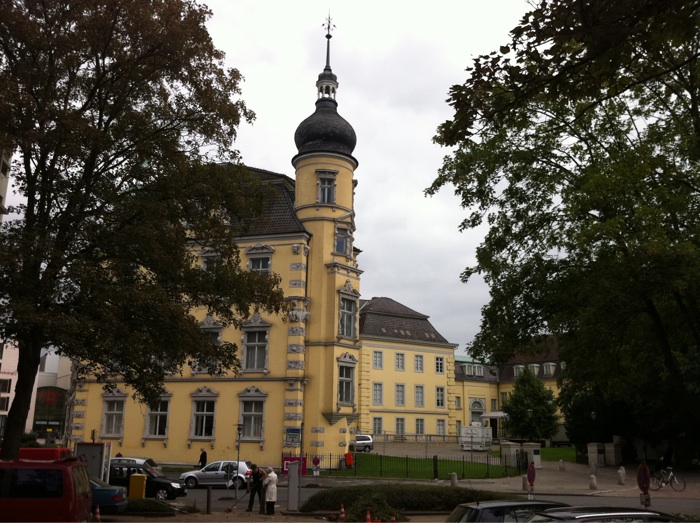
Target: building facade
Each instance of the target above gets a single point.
(306, 379)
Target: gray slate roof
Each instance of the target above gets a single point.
(386, 318)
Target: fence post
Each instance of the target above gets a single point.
(435, 468)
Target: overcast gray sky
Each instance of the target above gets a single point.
(395, 62)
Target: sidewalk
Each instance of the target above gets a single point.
(553, 478)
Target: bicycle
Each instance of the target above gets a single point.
(666, 477)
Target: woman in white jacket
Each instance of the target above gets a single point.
(270, 486)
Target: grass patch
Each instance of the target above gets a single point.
(558, 453)
(385, 499)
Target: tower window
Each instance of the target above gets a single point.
(343, 241)
(326, 187)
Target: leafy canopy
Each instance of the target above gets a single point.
(117, 111)
(578, 145)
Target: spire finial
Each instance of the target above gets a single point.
(328, 25)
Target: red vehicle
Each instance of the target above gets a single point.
(45, 490)
(45, 453)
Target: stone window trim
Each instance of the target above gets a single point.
(345, 231)
(258, 251)
(326, 175)
(349, 361)
(255, 323)
(203, 394)
(252, 393)
(209, 256)
(347, 292)
(118, 395)
(146, 426)
(213, 328)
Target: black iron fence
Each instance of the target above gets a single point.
(474, 465)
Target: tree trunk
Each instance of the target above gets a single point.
(27, 368)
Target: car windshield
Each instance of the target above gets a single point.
(154, 472)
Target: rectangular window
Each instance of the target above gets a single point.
(377, 393)
(252, 419)
(400, 395)
(346, 384)
(440, 365)
(439, 396)
(377, 426)
(469, 370)
(348, 316)
(3, 422)
(114, 418)
(479, 370)
(343, 241)
(400, 426)
(549, 369)
(211, 263)
(5, 386)
(418, 363)
(326, 190)
(494, 405)
(5, 403)
(260, 264)
(504, 398)
(378, 359)
(419, 396)
(458, 402)
(420, 426)
(255, 350)
(440, 427)
(203, 418)
(400, 361)
(158, 419)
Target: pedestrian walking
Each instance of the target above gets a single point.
(255, 486)
(270, 483)
(202, 459)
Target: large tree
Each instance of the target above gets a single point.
(531, 409)
(117, 111)
(578, 144)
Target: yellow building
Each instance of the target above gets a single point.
(307, 380)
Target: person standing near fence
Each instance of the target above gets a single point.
(255, 486)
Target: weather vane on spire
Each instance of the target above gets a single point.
(328, 25)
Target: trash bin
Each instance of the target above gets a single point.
(137, 486)
(349, 459)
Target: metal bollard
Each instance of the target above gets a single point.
(592, 482)
(453, 479)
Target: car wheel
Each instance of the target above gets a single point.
(241, 483)
(191, 482)
(368, 449)
(161, 494)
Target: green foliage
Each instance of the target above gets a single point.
(531, 410)
(404, 497)
(122, 118)
(579, 146)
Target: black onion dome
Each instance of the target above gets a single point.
(325, 131)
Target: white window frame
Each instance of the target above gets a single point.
(440, 427)
(418, 363)
(255, 324)
(377, 425)
(252, 406)
(458, 402)
(377, 394)
(113, 413)
(419, 396)
(343, 241)
(260, 254)
(479, 370)
(400, 362)
(348, 312)
(420, 426)
(517, 369)
(439, 365)
(548, 369)
(400, 395)
(326, 192)
(400, 426)
(203, 397)
(157, 420)
(377, 360)
(346, 380)
(440, 400)
(255, 346)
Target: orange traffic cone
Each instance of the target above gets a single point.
(368, 518)
(342, 513)
(97, 513)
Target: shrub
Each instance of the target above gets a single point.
(400, 497)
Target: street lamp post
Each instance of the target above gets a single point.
(238, 458)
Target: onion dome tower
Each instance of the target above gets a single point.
(325, 131)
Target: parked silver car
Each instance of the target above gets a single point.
(592, 514)
(219, 474)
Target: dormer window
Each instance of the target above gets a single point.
(549, 368)
(534, 368)
(517, 370)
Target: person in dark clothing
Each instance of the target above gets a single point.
(202, 459)
(255, 486)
